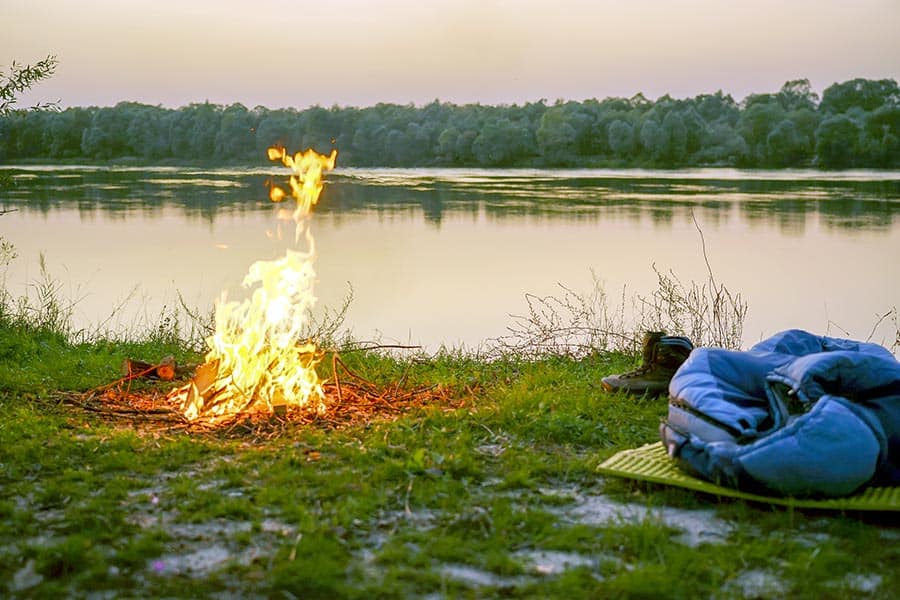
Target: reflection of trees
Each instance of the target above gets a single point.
(868, 205)
(856, 213)
(788, 215)
(203, 195)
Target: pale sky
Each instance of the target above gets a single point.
(279, 53)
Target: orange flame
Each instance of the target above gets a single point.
(257, 359)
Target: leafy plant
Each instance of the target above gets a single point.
(20, 78)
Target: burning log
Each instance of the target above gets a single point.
(166, 369)
(256, 362)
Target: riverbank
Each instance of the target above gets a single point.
(493, 493)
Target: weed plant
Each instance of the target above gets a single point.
(575, 324)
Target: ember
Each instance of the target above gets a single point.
(350, 400)
(257, 358)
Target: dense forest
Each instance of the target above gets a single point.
(855, 124)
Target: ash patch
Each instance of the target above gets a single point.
(537, 563)
(862, 583)
(199, 549)
(755, 583)
(490, 450)
(550, 562)
(477, 578)
(198, 562)
(423, 519)
(697, 526)
(25, 578)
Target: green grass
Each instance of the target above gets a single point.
(385, 509)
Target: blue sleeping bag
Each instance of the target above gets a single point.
(798, 414)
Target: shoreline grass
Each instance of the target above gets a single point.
(498, 498)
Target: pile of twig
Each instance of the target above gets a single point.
(350, 399)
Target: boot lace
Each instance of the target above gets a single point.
(637, 372)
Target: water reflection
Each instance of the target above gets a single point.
(843, 201)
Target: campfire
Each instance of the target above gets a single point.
(259, 373)
(258, 360)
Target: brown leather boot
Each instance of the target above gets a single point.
(661, 355)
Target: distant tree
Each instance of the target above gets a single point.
(758, 99)
(620, 137)
(837, 142)
(882, 136)
(533, 111)
(29, 133)
(616, 105)
(717, 107)
(7, 142)
(807, 121)
(205, 120)
(675, 139)
(347, 120)
(640, 102)
(277, 127)
(464, 146)
(502, 142)
(556, 136)
(318, 126)
(721, 145)
(148, 131)
(756, 123)
(63, 131)
(786, 146)
(883, 120)
(236, 138)
(446, 148)
(796, 95)
(653, 139)
(695, 128)
(469, 120)
(866, 94)
(421, 140)
(582, 116)
(398, 151)
(107, 135)
(368, 141)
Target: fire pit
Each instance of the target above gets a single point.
(140, 398)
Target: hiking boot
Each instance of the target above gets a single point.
(661, 355)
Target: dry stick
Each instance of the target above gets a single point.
(382, 347)
(878, 322)
(337, 379)
(717, 290)
(403, 377)
(123, 380)
(703, 247)
(352, 372)
(119, 411)
(406, 500)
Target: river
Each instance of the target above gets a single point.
(445, 257)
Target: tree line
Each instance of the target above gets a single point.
(855, 124)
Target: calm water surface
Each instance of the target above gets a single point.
(446, 256)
